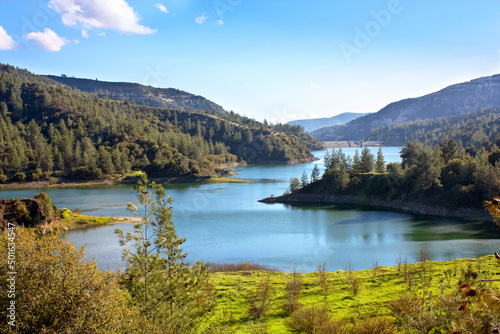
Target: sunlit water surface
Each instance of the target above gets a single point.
(225, 223)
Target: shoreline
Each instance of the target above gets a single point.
(64, 226)
(110, 182)
(395, 205)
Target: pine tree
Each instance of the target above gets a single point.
(315, 174)
(356, 164)
(304, 180)
(367, 161)
(380, 163)
(169, 291)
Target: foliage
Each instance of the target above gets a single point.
(49, 131)
(446, 174)
(58, 291)
(170, 292)
(294, 184)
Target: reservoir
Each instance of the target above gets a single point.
(224, 223)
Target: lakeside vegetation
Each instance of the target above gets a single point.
(446, 175)
(51, 132)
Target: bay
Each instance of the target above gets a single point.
(225, 223)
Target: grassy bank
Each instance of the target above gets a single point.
(352, 296)
(126, 179)
(70, 220)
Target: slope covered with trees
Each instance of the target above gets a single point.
(478, 128)
(151, 96)
(50, 131)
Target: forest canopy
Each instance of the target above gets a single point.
(50, 131)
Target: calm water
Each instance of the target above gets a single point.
(225, 223)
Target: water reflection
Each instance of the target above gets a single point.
(225, 223)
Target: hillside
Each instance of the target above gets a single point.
(452, 100)
(477, 128)
(49, 131)
(312, 124)
(154, 97)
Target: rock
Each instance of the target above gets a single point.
(22, 211)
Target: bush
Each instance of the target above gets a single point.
(20, 176)
(65, 213)
(259, 301)
(59, 291)
(379, 325)
(316, 320)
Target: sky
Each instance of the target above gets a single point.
(278, 60)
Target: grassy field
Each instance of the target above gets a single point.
(347, 294)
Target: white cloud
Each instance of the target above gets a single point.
(219, 22)
(161, 7)
(201, 19)
(85, 33)
(313, 86)
(108, 14)
(6, 42)
(47, 40)
(102, 34)
(76, 41)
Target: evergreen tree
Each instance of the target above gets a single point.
(171, 293)
(356, 163)
(380, 163)
(315, 173)
(304, 180)
(367, 161)
(294, 184)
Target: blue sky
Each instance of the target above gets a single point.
(267, 59)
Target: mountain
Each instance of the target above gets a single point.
(154, 97)
(316, 123)
(474, 129)
(452, 100)
(52, 132)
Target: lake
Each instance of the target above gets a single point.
(225, 223)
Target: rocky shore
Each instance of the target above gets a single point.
(397, 205)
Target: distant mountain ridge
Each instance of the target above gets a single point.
(316, 123)
(453, 100)
(151, 96)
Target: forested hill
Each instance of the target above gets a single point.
(154, 97)
(49, 131)
(477, 128)
(453, 100)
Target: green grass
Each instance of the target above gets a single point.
(73, 219)
(427, 279)
(227, 180)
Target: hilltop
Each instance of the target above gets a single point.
(151, 96)
(312, 124)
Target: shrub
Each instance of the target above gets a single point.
(316, 320)
(59, 291)
(260, 301)
(308, 319)
(379, 325)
